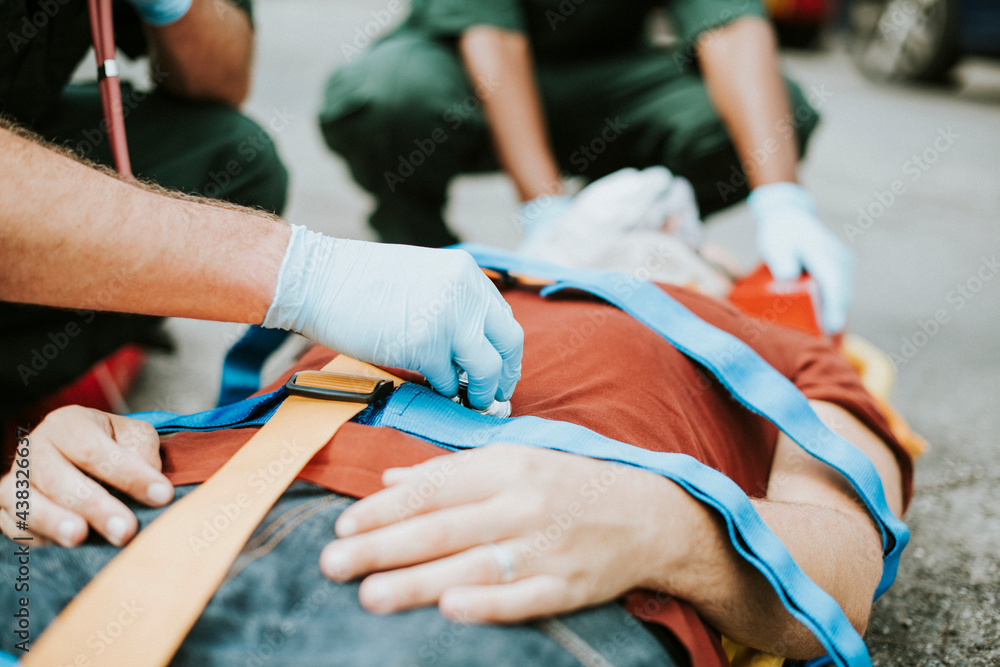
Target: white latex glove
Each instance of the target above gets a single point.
(428, 310)
(541, 213)
(791, 238)
(161, 12)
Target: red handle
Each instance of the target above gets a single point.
(103, 32)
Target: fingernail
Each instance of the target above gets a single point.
(377, 596)
(67, 529)
(346, 526)
(159, 493)
(336, 564)
(116, 529)
(456, 608)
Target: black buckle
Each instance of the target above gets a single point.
(338, 387)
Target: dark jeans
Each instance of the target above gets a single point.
(197, 148)
(276, 608)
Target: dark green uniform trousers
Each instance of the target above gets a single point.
(406, 118)
(197, 148)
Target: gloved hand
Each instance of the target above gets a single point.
(161, 12)
(791, 238)
(539, 214)
(417, 308)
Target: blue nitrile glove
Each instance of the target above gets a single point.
(791, 238)
(539, 214)
(161, 12)
(428, 310)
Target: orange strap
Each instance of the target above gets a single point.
(156, 588)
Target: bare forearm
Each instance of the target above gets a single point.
(742, 74)
(513, 109)
(839, 552)
(207, 54)
(75, 237)
(815, 513)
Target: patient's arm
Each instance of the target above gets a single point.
(583, 532)
(816, 514)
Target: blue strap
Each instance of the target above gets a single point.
(6, 659)
(750, 379)
(421, 412)
(248, 412)
(244, 362)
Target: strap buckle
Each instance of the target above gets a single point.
(338, 387)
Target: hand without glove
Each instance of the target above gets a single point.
(161, 12)
(428, 310)
(791, 238)
(75, 450)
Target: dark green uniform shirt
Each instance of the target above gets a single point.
(561, 29)
(43, 43)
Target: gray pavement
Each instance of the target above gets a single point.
(927, 287)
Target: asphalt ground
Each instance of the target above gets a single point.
(909, 177)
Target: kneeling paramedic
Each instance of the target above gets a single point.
(548, 89)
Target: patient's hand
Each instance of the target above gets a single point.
(576, 532)
(63, 500)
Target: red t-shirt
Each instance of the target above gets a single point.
(589, 363)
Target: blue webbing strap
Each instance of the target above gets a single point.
(750, 379)
(253, 411)
(423, 413)
(244, 362)
(420, 411)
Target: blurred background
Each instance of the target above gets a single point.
(906, 170)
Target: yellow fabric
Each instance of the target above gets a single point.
(878, 375)
(741, 656)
